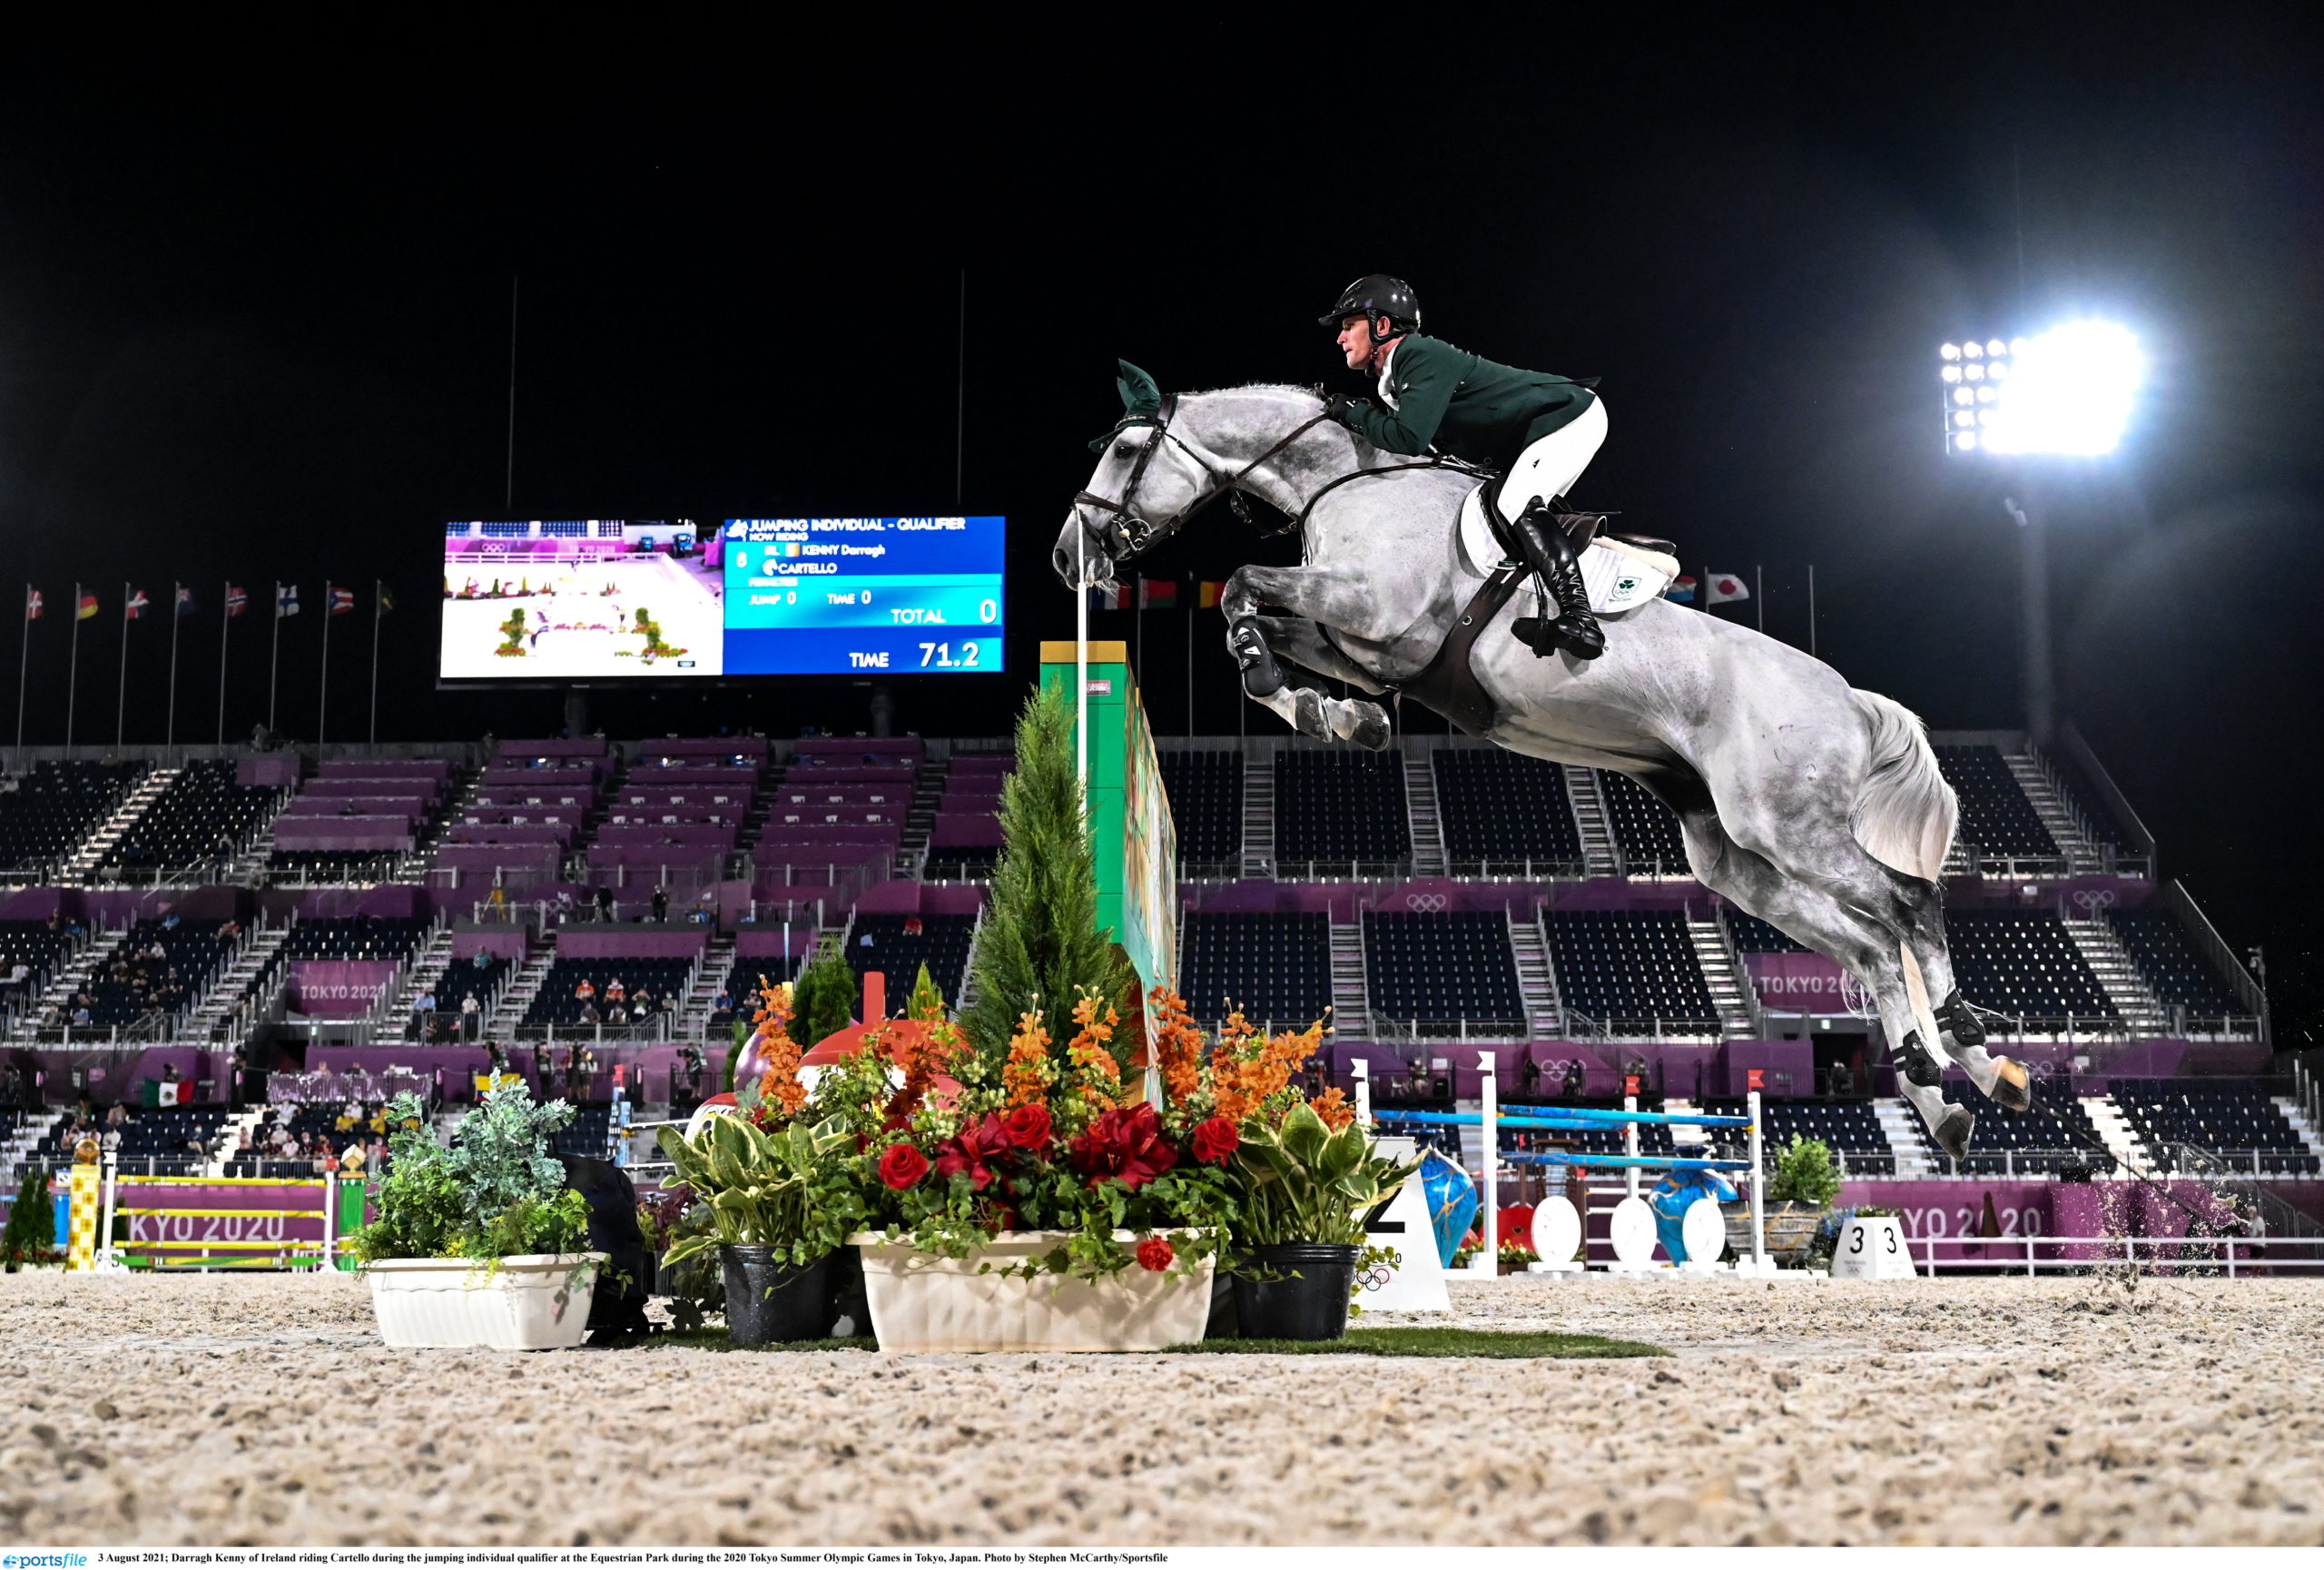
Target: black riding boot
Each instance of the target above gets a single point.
(1549, 552)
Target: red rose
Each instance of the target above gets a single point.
(900, 1166)
(1215, 1140)
(1027, 1127)
(1126, 1144)
(1155, 1253)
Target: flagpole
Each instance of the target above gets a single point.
(1759, 595)
(225, 628)
(274, 657)
(73, 676)
(1081, 666)
(24, 657)
(375, 661)
(1811, 611)
(121, 703)
(169, 735)
(323, 711)
(1137, 649)
(1196, 587)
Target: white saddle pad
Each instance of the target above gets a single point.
(1618, 577)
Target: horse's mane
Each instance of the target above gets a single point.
(1281, 387)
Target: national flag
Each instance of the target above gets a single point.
(86, 608)
(387, 598)
(31, 604)
(134, 606)
(342, 601)
(1725, 586)
(237, 601)
(1682, 590)
(286, 599)
(186, 606)
(1207, 594)
(1158, 594)
(1110, 596)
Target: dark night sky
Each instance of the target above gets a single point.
(254, 296)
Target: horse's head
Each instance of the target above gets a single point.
(1147, 479)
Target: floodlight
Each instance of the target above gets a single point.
(2067, 393)
(1966, 440)
(1948, 352)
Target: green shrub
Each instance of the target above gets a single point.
(494, 1191)
(1805, 1173)
(31, 1236)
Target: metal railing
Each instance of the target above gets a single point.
(2257, 1255)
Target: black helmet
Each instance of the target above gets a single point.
(1376, 294)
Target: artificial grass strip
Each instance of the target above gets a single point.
(1443, 1341)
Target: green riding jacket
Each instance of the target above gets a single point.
(1464, 405)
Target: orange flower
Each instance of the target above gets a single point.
(778, 1087)
(1092, 1064)
(1177, 1048)
(1333, 1107)
(1025, 1078)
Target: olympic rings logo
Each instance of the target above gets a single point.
(2092, 900)
(1425, 902)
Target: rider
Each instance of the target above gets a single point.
(1540, 431)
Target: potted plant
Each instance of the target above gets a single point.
(30, 1241)
(1301, 1173)
(480, 1243)
(1805, 1181)
(1032, 1204)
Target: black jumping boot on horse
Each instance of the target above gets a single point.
(1549, 553)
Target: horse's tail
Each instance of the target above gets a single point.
(1905, 812)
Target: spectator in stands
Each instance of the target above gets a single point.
(481, 960)
(116, 1116)
(540, 1069)
(1577, 1082)
(425, 1004)
(589, 1015)
(604, 903)
(615, 990)
(724, 1003)
(12, 1085)
(81, 1012)
(661, 904)
(585, 990)
(471, 1017)
(616, 1015)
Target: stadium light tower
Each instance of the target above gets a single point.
(2027, 403)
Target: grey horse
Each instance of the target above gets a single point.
(1814, 805)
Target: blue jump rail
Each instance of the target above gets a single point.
(1654, 1163)
(1570, 1121)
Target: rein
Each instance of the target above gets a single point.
(1128, 534)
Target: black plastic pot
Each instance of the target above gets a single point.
(1295, 1292)
(769, 1301)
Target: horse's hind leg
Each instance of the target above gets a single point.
(1842, 933)
(1917, 912)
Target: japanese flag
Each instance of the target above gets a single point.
(1721, 587)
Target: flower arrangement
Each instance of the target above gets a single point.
(494, 1191)
(31, 1236)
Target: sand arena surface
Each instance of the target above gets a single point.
(262, 1410)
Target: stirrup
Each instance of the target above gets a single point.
(1577, 634)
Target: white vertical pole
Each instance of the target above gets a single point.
(331, 1223)
(1488, 1263)
(1758, 1191)
(225, 631)
(1361, 1068)
(170, 731)
(1630, 1145)
(105, 1213)
(1081, 666)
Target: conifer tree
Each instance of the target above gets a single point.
(926, 1003)
(823, 998)
(1040, 938)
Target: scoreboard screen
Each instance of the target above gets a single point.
(549, 600)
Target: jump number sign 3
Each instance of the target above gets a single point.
(1872, 1249)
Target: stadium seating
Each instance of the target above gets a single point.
(1850, 1129)
(2023, 963)
(1273, 965)
(157, 1142)
(1645, 830)
(1339, 806)
(558, 1003)
(46, 813)
(1995, 816)
(2173, 969)
(160, 968)
(1206, 791)
(1630, 967)
(203, 816)
(1504, 811)
(464, 977)
(38, 948)
(898, 945)
(2053, 1133)
(1443, 971)
(1754, 936)
(964, 835)
(355, 937)
(742, 984)
(2233, 1120)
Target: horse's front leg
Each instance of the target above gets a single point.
(1316, 597)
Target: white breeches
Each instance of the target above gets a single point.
(1550, 466)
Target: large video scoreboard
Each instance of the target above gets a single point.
(832, 596)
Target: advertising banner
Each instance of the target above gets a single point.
(1804, 984)
(338, 989)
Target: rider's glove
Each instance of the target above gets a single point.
(1338, 405)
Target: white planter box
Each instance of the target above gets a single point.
(527, 1303)
(927, 1303)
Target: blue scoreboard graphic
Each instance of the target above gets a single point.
(846, 595)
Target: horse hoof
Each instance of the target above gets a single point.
(1952, 1130)
(1308, 716)
(1371, 728)
(2013, 1090)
